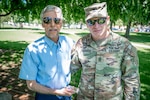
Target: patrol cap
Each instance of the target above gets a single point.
(96, 10)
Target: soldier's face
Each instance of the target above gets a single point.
(98, 27)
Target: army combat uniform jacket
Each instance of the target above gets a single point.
(109, 69)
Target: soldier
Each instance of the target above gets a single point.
(109, 62)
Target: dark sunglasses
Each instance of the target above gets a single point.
(100, 21)
(48, 20)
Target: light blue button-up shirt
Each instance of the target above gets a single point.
(47, 62)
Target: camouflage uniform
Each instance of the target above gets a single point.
(110, 69)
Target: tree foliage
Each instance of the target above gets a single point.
(72, 9)
(129, 11)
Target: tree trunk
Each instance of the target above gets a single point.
(111, 26)
(0, 23)
(81, 25)
(127, 34)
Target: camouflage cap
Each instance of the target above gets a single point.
(96, 10)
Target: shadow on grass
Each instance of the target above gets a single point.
(11, 54)
(138, 37)
(134, 37)
(59, 33)
(82, 34)
(21, 28)
(13, 45)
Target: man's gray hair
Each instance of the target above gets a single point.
(51, 8)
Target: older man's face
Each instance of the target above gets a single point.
(52, 23)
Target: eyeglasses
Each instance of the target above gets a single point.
(48, 20)
(100, 21)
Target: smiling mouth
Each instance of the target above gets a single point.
(52, 29)
(96, 30)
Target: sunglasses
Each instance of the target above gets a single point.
(48, 20)
(100, 21)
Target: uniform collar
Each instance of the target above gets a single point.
(103, 42)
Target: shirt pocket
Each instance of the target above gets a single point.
(66, 66)
(50, 71)
(113, 59)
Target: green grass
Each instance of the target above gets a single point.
(13, 42)
(144, 62)
(141, 38)
(19, 35)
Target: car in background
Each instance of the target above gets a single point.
(147, 29)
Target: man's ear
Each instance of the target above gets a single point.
(108, 20)
(61, 24)
(108, 17)
(87, 25)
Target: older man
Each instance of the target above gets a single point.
(46, 61)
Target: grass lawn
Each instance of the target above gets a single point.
(14, 41)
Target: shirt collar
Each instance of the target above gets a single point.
(52, 43)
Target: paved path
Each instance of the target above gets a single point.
(72, 31)
(141, 45)
(135, 44)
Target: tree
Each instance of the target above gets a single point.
(129, 11)
(4, 19)
(72, 9)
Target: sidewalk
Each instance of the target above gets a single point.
(141, 45)
(71, 31)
